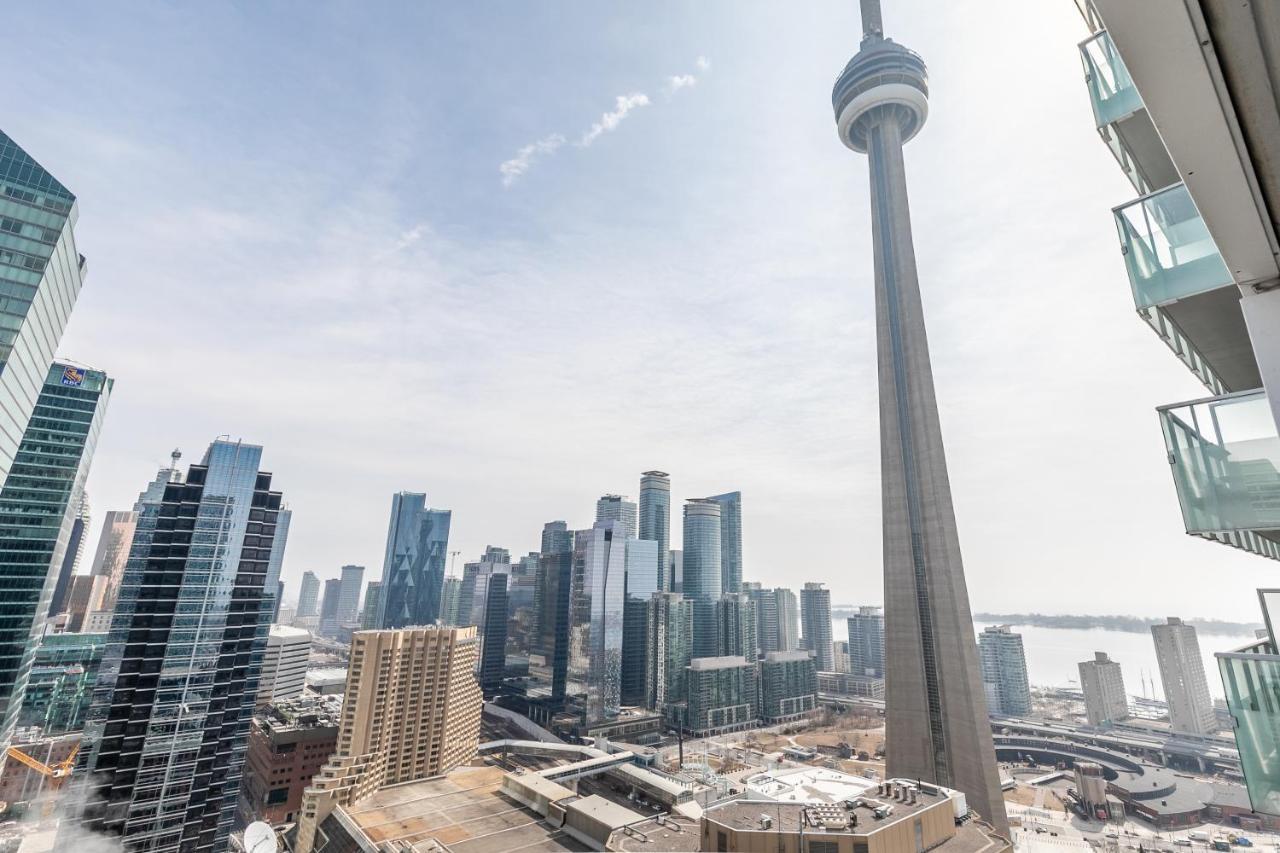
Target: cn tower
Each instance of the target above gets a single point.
(936, 724)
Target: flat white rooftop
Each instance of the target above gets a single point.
(810, 785)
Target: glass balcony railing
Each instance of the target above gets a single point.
(1111, 89)
(1225, 455)
(1251, 682)
(1168, 250)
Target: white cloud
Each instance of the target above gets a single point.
(623, 105)
(681, 81)
(526, 156)
(703, 63)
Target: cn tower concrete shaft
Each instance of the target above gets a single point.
(937, 728)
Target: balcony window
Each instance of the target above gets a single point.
(1168, 251)
(1225, 455)
(1111, 89)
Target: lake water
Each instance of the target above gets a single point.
(1052, 655)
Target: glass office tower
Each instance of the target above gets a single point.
(40, 269)
(655, 517)
(413, 568)
(38, 507)
(643, 580)
(702, 571)
(309, 595)
(166, 736)
(595, 626)
(730, 541)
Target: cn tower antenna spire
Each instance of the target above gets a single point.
(872, 23)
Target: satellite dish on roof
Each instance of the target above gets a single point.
(259, 837)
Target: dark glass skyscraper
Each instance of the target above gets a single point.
(309, 595)
(642, 583)
(413, 568)
(493, 652)
(166, 736)
(38, 507)
(935, 709)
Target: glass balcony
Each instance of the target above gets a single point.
(1252, 686)
(1168, 251)
(1225, 455)
(1111, 89)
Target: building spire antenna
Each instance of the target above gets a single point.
(872, 22)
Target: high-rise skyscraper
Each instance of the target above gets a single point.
(71, 557)
(670, 629)
(309, 595)
(815, 616)
(166, 736)
(618, 508)
(736, 622)
(935, 713)
(38, 507)
(730, 541)
(329, 606)
(766, 604)
(349, 583)
(113, 552)
(866, 642)
(448, 601)
(493, 628)
(655, 517)
(788, 619)
(411, 710)
(596, 608)
(372, 598)
(552, 601)
(702, 571)
(675, 571)
(41, 270)
(1105, 699)
(642, 582)
(1182, 676)
(1004, 671)
(413, 568)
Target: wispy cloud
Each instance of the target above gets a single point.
(515, 168)
(526, 156)
(680, 81)
(623, 105)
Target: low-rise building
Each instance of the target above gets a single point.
(289, 741)
(850, 684)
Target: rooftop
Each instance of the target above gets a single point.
(289, 631)
(724, 662)
(464, 810)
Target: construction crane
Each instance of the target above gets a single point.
(55, 773)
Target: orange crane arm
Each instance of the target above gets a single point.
(38, 766)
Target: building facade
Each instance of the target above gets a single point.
(624, 512)
(350, 581)
(866, 642)
(736, 622)
(935, 714)
(788, 619)
(702, 571)
(60, 686)
(655, 518)
(411, 710)
(730, 541)
(413, 568)
(41, 274)
(643, 580)
(330, 607)
(372, 600)
(309, 595)
(71, 557)
(723, 696)
(38, 508)
(1004, 671)
(1182, 676)
(289, 742)
(113, 551)
(493, 632)
(670, 630)
(788, 687)
(284, 664)
(597, 600)
(1105, 699)
(815, 614)
(180, 648)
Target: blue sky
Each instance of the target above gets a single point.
(298, 234)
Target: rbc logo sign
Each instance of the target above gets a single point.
(72, 376)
